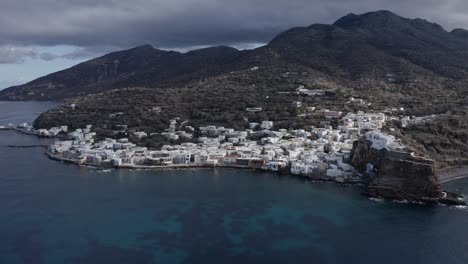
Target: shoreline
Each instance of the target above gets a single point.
(203, 166)
(459, 172)
(32, 133)
(449, 198)
(452, 173)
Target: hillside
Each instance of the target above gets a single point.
(387, 60)
(140, 66)
(372, 47)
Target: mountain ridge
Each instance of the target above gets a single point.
(411, 68)
(365, 46)
(121, 68)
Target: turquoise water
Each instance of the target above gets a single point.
(52, 212)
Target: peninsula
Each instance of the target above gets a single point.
(374, 98)
(356, 151)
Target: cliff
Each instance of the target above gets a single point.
(398, 175)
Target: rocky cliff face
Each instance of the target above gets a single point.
(400, 176)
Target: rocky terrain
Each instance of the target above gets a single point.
(140, 66)
(389, 61)
(400, 176)
(443, 138)
(377, 50)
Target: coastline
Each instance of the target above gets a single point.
(204, 166)
(448, 198)
(452, 173)
(32, 133)
(460, 172)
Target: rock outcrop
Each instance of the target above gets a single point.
(397, 175)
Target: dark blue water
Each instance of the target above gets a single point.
(19, 112)
(52, 212)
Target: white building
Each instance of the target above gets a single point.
(266, 125)
(379, 139)
(140, 134)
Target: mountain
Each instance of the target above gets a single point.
(418, 41)
(366, 47)
(389, 61)
(140, 66)
(460, 33)
(377, 41)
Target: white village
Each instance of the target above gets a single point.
(319, 153)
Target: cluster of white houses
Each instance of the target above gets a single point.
(318, 152)
(29, 129)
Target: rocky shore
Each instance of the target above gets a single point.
(398, 175)
(389, 168)
(452, 173)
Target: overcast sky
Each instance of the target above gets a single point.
(42, 36)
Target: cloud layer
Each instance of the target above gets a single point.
(96, 25)
(11, 55)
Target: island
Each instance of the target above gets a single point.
(359, 150)
(374, 99)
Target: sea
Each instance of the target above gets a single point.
(54, 212)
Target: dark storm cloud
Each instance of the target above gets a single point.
(92, 24)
